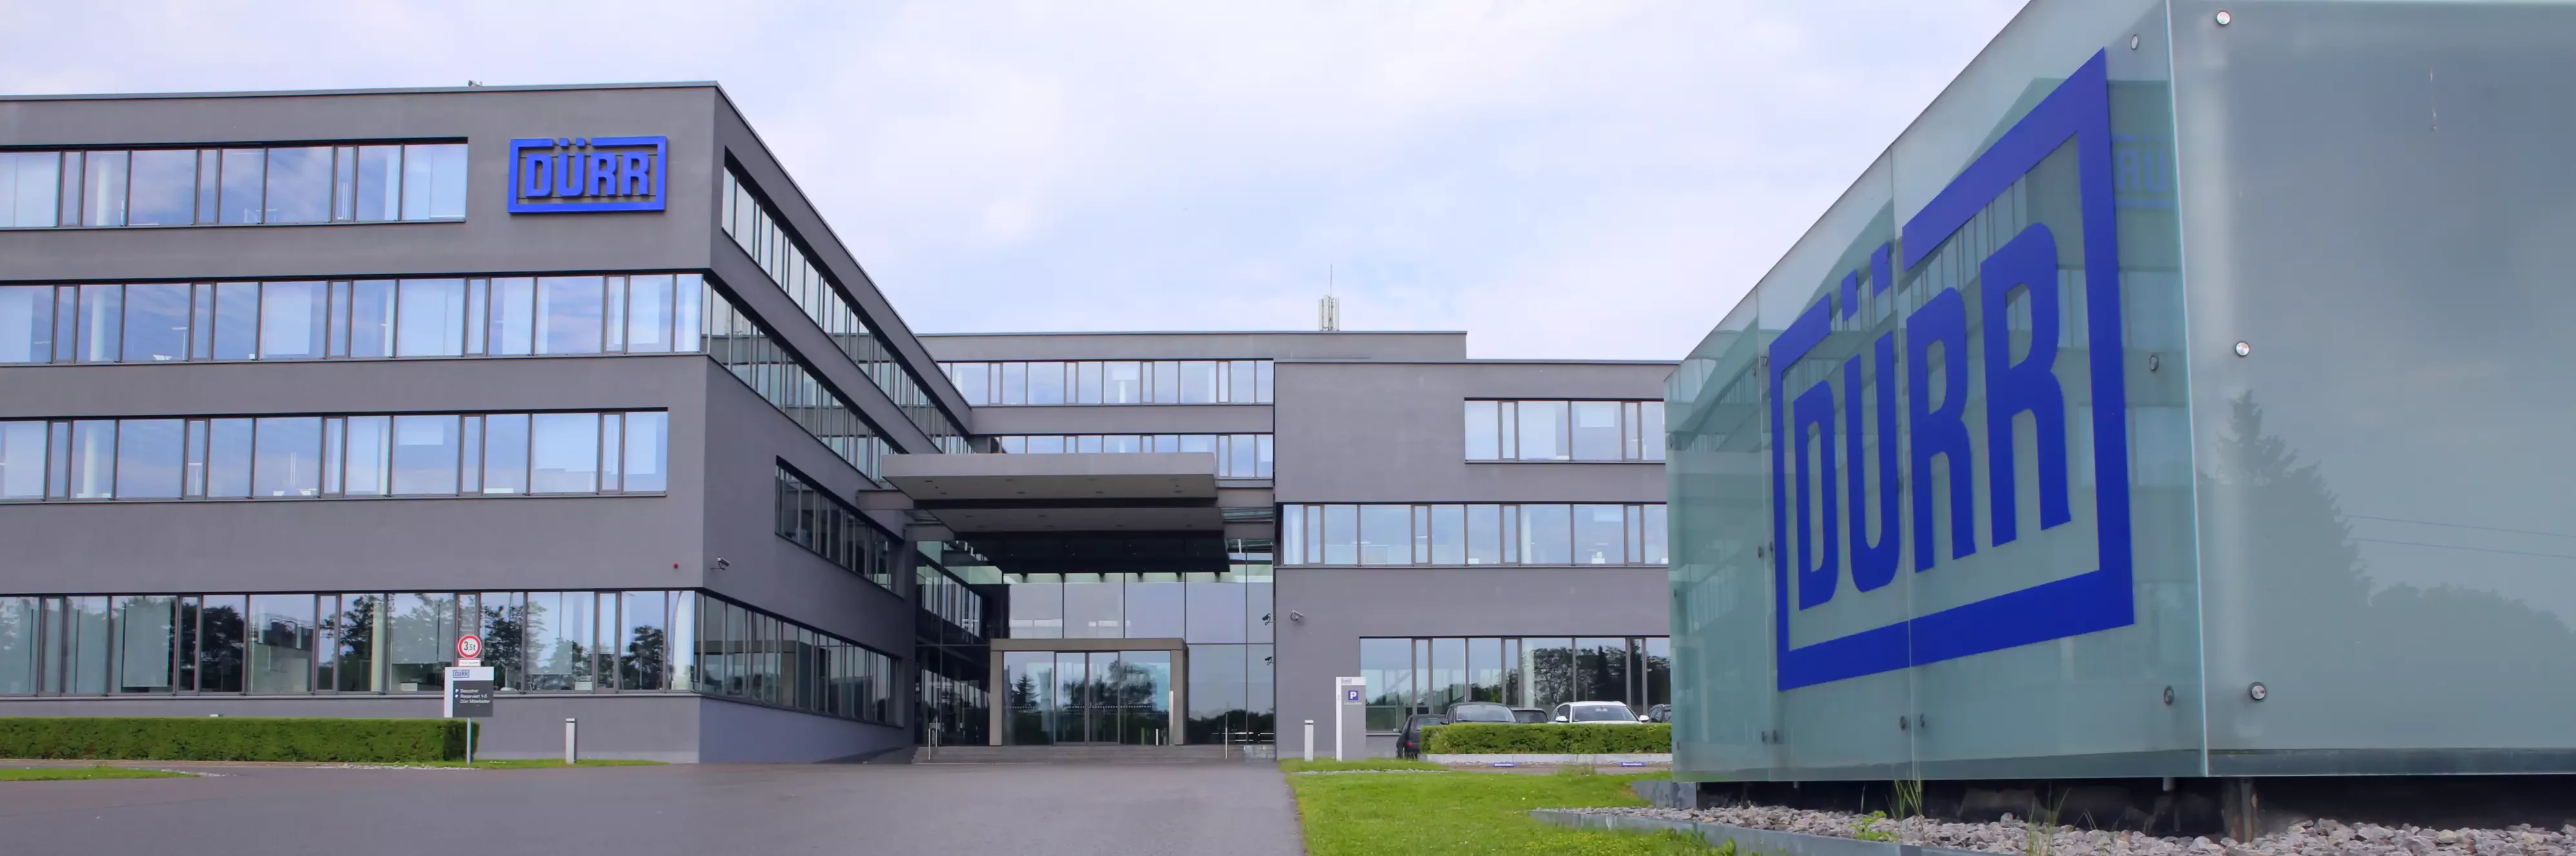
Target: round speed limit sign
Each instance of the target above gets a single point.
(469, 647)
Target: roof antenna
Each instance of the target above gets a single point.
(1330, 312)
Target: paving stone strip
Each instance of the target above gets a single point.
(2013, 835)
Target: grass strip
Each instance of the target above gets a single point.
(62, 774)
(1468, 813)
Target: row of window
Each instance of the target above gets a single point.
(948, 598)
(279, 457)
(349, 319)
(761, 234)
(1427, 675)
(1199, 606)
(746, 347)
(1524, 534)
(1113, 382)
(333, 643)
(818, 521)
(277, 184)
(1565, 430)
(1238, 456)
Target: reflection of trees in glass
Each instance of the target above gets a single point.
(2307, 604)
(644, 662)
(504, 644)
(355, 627)
(219, 649)
(1552, 675)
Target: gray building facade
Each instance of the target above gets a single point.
(296, 389)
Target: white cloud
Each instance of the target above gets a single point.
(1587, 180)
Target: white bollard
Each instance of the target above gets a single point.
(570, 741)
(1310, 740)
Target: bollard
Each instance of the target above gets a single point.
(1310, 740)
(570, 742)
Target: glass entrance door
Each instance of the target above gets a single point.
(1093, 697)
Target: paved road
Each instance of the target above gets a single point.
(1127, 809)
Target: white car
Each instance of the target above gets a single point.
(1595, 711)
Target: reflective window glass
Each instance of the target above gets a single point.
(648, 314)
(371, 319)
(505, 453)
(164, 188)
(1485, 534)
(370, 452)
(1015, 381)
(379, 183)
(1243, 387)
(1542, 431)
(245, 177)
(280, 642)
(1650, 428)
(566, 453)
(102, 317)
(220, 622)
(1046, 383)
(514, 316)
(228, 458)
(1122, 383)
(22, 460)
(147, 643)
(1036, 608)
(1653, 526)
(156, 322)
(292, 320)
(1600, 532)
(299, 185)
(1386, 535)
(648, 446)
(1216, 612)
(1341, 534)
(1596, 435)
(433, 186)
(149, 456)
(1155, 605)
(1387, 666)
(1448, 534)
(425, 455)
(432, 318)
(287, 457)
(568, 314)
(236, 323)
(1167, 382)
(1087, 383)
(1094, 606)
(1546, 534)
(1481, 437)
(26, 317)
(28, 184)
(103, 190)
(1198, 382)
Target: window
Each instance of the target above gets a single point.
(820, 522)
(1238, 456)
(745, 346)
(275, 185)
(1564, 430)
(1473, 534)
(761, 234)
(360, 319)
(984, 384)
(1425, 675)
(290, 457)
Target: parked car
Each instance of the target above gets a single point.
(1659, 713)
(1408, 744)
(1595, 711)
(1481, 711)
(1528, 715)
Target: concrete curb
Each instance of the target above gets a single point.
(1569, 760)
(1747, 841)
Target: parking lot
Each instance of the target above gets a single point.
(1138, 809)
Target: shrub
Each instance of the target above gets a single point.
(232, 738)
(1477, 738)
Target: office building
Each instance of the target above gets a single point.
(297, 389)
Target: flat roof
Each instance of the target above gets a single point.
(1209, 333)
(397, 90)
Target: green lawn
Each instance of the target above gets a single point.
(1294, 765)
(56, 774)
(1465, 812)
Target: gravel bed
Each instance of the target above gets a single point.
(2014, 835)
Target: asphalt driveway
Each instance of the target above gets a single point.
(1229, 809)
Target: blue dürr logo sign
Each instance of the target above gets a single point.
(2076, 113)
(588, 174)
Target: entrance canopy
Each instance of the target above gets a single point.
(1172, 492)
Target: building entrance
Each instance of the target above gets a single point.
(1087, 697)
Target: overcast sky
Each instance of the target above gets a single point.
(1574, 179)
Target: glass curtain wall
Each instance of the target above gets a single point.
(1565, 430)
(349, 319)
(1113, 382)
(1238, 456)
(1428, 674)
(394, 643)
(1451, 535)
(780, 253)
(300, 457)
(384, 182)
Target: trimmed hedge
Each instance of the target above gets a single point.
(232, 738)
(1479, 738)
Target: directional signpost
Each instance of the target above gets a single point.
(469, 688)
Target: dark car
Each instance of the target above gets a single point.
(1528, 715)
(1659, 713)
(1409, 743)
(1481, 711)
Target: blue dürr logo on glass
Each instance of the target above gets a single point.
(2077, 113)
(573, 174)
